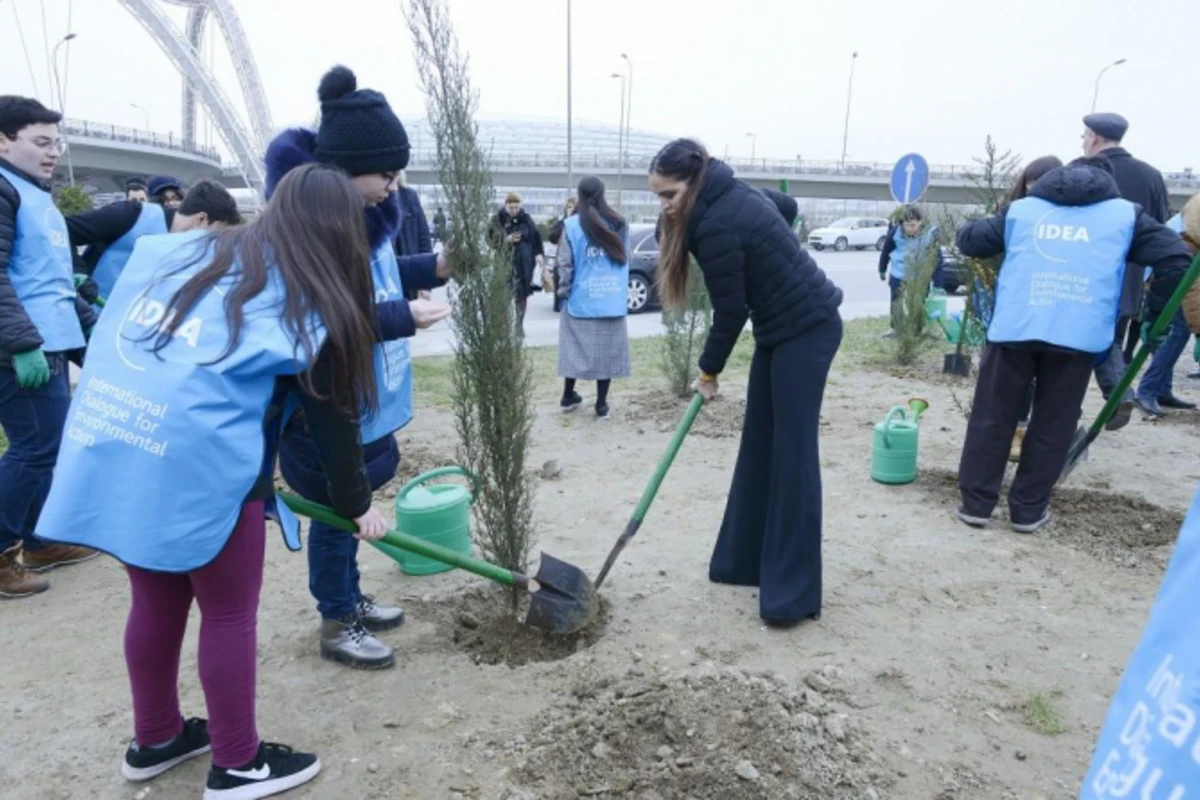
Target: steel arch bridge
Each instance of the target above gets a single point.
(183, 49)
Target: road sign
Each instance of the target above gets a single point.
(910, 178)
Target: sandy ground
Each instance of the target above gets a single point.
(914, 683)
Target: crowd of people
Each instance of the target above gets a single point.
(212, 349)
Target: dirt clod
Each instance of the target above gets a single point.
(721, 419)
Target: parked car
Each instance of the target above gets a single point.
(643, 271)
(857, 232)
(956, 270)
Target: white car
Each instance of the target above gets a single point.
(857, 232)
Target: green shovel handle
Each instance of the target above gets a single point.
(664, 464)
(404, 541)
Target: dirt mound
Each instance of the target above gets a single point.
(721, 419)
(481, 623)
(704, 734)
(1188, 420)
(1115, 527)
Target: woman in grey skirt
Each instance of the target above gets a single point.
(593, 274)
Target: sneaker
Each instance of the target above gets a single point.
(1032, 527)
(15, 580)
(275, 769)
(973, 521)
(144, 763)
(376, 618)
(570, 402)
(347, 641)
(1120, 417)
(53, 556)
(602, 410)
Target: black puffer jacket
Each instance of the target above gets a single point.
(1153, 244)
(753, 267)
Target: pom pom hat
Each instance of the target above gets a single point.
(359, 132)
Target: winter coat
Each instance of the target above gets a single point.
(524, 252)
(1191, 229)
(753, 267)
(18, 334)
(1152, 244)
(1138, 183)
(786, 204)
(413, 237)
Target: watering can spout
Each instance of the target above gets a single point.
(917, 405)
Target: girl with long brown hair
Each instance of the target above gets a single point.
(206, 337)
(754, 269)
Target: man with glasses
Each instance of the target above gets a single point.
(42, 321)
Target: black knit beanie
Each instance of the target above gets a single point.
(358, 131)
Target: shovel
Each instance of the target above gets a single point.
(689, 416)
(1085, 436)
(562, 599)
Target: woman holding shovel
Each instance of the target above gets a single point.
(181, 397)
(754, 269)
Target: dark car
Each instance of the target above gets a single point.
(643, 271)
(956, 272)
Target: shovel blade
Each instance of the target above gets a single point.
(565, 600)
(1078, 452)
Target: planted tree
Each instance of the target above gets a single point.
(684, 333)
(72, 200)
(908, 312)
(493, 375)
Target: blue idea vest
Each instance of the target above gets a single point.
(908, 248)
(40, 267)
(1150, 743)
(184, 434)
(151, 220)
(1060, 282)
(393, 362)
(599, 285)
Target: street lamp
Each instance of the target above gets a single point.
(62, 105)
(570, 162)
(753, 147)
(1096, 94)
(620, 141)
(628, 101)
(849, 95)
(145, 114)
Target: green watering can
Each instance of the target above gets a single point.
(935, 304)
(439, 514)
(894, 453)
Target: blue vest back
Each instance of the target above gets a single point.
(152, 219)
(1175, 223)
(1061, 278)
(393, 361)
(1150, 743)
(599, 285)
(40, 267)
(184, 435)
(909, 248)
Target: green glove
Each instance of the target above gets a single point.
(33, 370)
(79, 278)
(1157, 341)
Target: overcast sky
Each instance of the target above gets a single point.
(933, 76)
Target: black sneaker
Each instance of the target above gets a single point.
(144, 763)
(570, 402)
(602, 410)
(275, 769)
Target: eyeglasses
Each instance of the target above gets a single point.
(49, 145)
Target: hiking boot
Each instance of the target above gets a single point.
(1171, 401)
(275, 769)
(1014, 451)
(53, 556)
(1032, 527)
(15, 580)
(347, 641)
(1120, 417)
(376, 618)
(602, 410)
(144, 763)
(971, 519)
(570, 402)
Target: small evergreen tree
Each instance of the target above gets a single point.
(72, 200)
(684, 334)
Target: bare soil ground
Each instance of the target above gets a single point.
(941, 653)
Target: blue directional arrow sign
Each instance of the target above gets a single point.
(910, 178)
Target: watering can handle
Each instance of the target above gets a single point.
(442, 472)
(887, 423)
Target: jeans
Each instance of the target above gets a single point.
(333, 577)
(1158, 381)
(33, 421)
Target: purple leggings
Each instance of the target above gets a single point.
(227, 592)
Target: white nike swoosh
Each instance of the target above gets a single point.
(260, 774)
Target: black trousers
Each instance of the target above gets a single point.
(1005, 374)
(771, 534)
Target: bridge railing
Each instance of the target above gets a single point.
(119, 133)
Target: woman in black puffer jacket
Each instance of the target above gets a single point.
(754, 268)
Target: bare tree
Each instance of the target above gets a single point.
(493, 375)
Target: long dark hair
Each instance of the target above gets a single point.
(600, 223)
(312, 231)
(1029, 176)
(681, 160)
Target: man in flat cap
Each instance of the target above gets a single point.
(1142, 184)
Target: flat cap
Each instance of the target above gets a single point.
(1109, 126)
